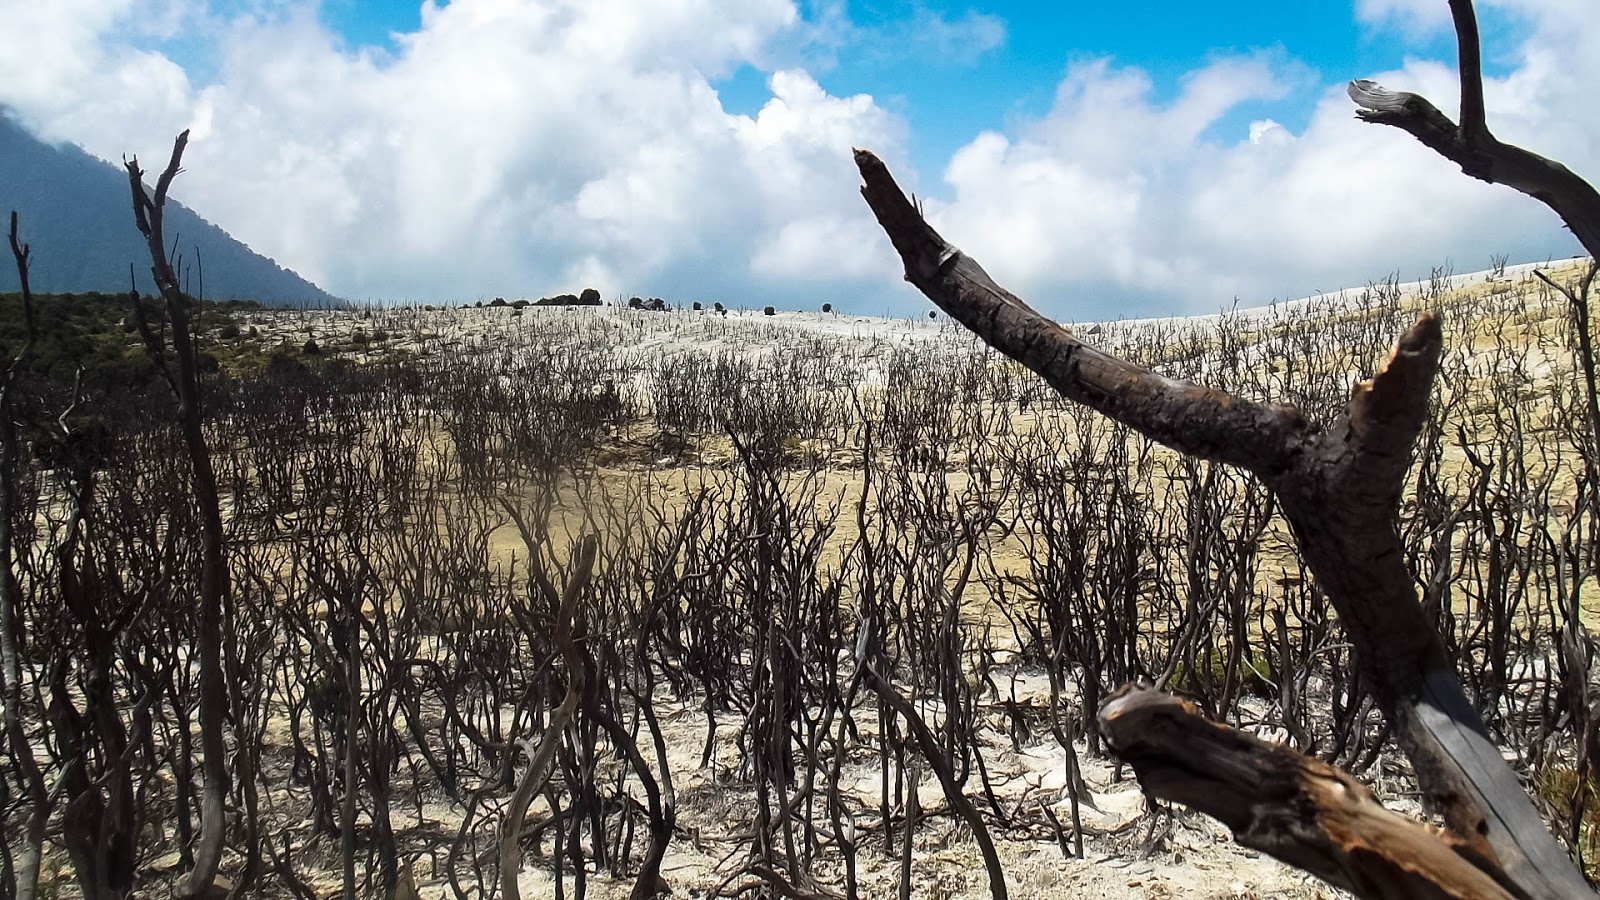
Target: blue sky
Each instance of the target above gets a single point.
(948, 100)
(1101, 159)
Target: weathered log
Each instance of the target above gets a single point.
(1291, 806)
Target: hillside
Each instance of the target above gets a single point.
(404, 489)
(74, 212)
(779, 481)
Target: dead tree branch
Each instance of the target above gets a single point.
(1294, 807)
(148, 214)
(12, 627)
(541, 756)
(929, 745)
(1472, 147)
(1339, 490)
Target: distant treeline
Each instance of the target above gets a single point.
(588, 297)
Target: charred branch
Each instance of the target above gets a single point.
(1291, 806)
(1338, 488)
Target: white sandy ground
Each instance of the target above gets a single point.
(748, 331)
(1197, 858)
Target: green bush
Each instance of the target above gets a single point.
(1556, 788)
(1256, 675)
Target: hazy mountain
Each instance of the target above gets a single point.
(75, 213)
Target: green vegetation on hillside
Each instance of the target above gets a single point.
(74, 211)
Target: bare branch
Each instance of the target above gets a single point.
(22, 254)
(1473, 125)
(929, 745)
(148, 213)
(1196, 420)
(1473, 148)
(12, 627)
(214, 578)
(541, 756)
(1387, 412)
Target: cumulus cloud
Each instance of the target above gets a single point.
(1116, 203)
(504, 147)
(516, 147)
(1414, 16)
(892, 33)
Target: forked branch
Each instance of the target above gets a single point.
(211, 642)
(1339, 490)
(1472, 147)
(542, 755)
(1190, 418)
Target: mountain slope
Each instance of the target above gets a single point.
(74, 211)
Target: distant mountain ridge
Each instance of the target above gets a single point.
(74, 212)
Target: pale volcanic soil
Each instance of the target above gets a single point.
(1127, 850)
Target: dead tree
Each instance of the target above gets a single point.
(26, 883)
(541, 756)
(182, 373)
(1339, 488)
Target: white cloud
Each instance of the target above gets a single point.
(1115, 203)
(895, 33)
(961, 40)
(518, 147)
(504, 148)
(1415, 17)
(1264, 131)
